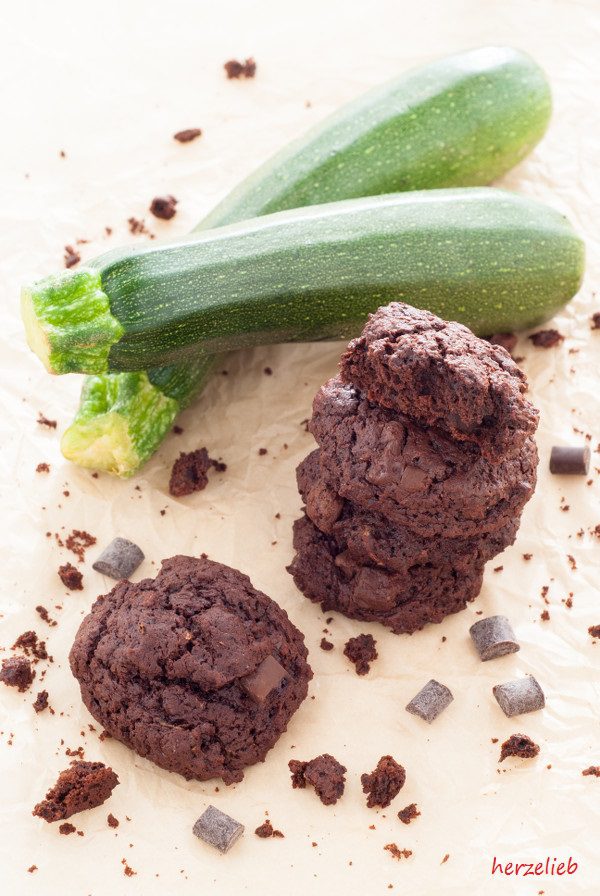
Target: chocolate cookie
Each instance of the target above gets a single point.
(363, 537)
(421, 479)
(196, 670)
(442, 375)
(404, 602)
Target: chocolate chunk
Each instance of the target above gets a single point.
(570, 459)
(41, 701)
(493, 637)
(187, 135)
(361, 651)
(408, 814)
(518, 745)
(235, 69)
(431, 700)
(218, 829)
(16, 672)
(384, 783)
(267, 678)
(163, 207)
(71, 577)
(519, 696)
(119, 559)
(324, 773)
(83, 785)
(546, 338)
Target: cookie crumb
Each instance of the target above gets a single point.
(42, 468)
(235, 69)
(187, 135)
(44, 421)
(41, 701)
(72, 257)
(518, 745)
(163, 207)
(361, 651)
(84, 785)
(324, 773)
(325, 644)
(189, 472)
(266, 830)
(593, 770)
(16, 672)
(112, 821)
(398, 853)
(71, 577)
(384, 783)
(546, 338)
(409, 813)
(67, 828)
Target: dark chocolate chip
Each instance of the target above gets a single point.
(519, 696)
(570, 459)
(493, 637)
(218, 829)
(431, 700)
(119, 560)
(264, 680)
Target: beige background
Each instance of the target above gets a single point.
(109, 83)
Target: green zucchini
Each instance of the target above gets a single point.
(490, 258)
(463, 120)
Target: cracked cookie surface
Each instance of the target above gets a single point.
(195, 670)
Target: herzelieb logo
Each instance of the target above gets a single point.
(548, 868)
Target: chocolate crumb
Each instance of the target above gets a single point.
(324, 773)
(409, 813)
(262, 451)
(137, 226)
(546, 338)
(41, 701)
(43, 613)
(67, 828)
(398, 853)
(545, 616)
(527, 556)
(268, 371)
(16, 672)
(361, 651)
(572, 562)
(177, 430)
(42, 468)
(235, 69)
(445, 859)
(32, 868)
(187, 135)
(44, 421)
(594, 631)
(127, 870)
(595, 321)
(384, 783)
(112, 821)
(325, 644)
(29, 643)
(518, 745)
(267, 830)
(189, 472)
(71, 577)
(593, 770)
(163, 207)
(72, 257)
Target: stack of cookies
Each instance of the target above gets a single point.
(426, 459)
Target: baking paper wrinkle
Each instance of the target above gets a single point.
(116, 162)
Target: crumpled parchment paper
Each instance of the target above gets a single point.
(109, 83)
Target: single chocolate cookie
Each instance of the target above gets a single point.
(365, 537)
(404, 602)
(440, 374)
(421, 479)
(196, 670)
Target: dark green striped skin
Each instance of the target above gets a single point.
(461, 121)
(489, 258)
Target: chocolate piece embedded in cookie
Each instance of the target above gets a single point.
(404, 602)
(519, 696)
(493, 637)
(173, 667)
(432, 699)
(384, 783)
(84, 785)
(385, 463)
(218, 829)
(441, 375)
(324, 773)
(119, 559)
